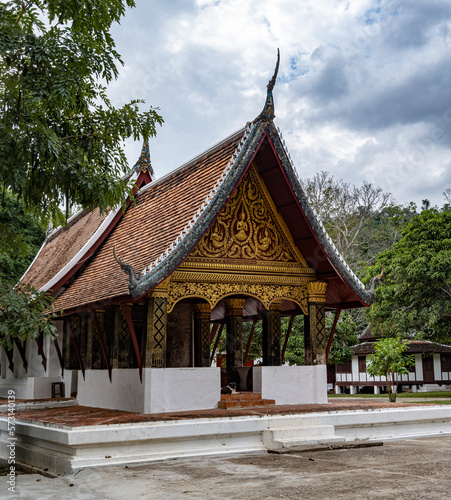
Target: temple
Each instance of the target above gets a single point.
(145, 294)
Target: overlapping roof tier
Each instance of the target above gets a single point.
(157, 233)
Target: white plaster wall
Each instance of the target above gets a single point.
(124, 392)
(355, 368)
(22, 387)
(177, 389)
(35, 367)
(53, 363)
(419, 366)
(292, 384)
(437, 367)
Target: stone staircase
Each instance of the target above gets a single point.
(292, 437)
(243, 400)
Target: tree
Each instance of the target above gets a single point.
(388, 360)
(414, 296)
(24, 314)
(20, 239)
(345, 210)
(345, 336)
(61, 139)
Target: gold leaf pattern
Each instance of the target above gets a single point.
(246, 228)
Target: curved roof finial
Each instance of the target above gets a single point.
(268, 111)
(144, 164)
(272, 82)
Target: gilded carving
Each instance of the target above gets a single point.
(316, 291)
(214, 292)
(202, 310)
(234, 306)
(247, 228)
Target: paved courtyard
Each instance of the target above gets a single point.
(409, 469)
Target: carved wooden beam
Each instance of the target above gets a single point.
(40, 343)
(22, 351)
(10, 356)
(60, 356)
(337, 315)
(218, 336)
(287, 336)
(128, 317)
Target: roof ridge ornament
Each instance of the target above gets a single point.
(267, 115)
(144, 164)
(128, 269)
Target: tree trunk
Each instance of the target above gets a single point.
(391, 394)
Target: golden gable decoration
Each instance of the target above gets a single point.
(247, 228)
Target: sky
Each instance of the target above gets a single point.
(363, 91)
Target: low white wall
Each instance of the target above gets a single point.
(124, 392)
(28, 387)
(292, 384)
(178, 389)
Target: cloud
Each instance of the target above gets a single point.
(363, 88)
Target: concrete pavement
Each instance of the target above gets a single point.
(408, 469)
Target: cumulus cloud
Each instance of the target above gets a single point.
(363, 88)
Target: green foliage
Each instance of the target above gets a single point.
(345, 336)
(294, 354)
(24, 312)
(20, 239)
(388, 360)
(61, 139)
(414, 296)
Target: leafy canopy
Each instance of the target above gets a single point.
(20, 239)
(414, 296)
(24, 313)
(61, 139)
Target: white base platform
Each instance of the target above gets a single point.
(65, 450)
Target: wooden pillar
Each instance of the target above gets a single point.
(316, 299)
(202, 318)
(234, 325)
(156, 334)
(271, 335)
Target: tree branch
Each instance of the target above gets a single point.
(22, 12)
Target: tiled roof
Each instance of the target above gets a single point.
(172, 214)
(162, 210)
(62, 246)
(415, 347)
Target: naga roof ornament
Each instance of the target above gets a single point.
(144, 164)
(267, 115)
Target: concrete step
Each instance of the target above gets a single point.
(245, 403)
(288, 437)
(241, 396)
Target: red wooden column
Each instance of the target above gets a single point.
(332, 332)
(287, 336)
(218, 337)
